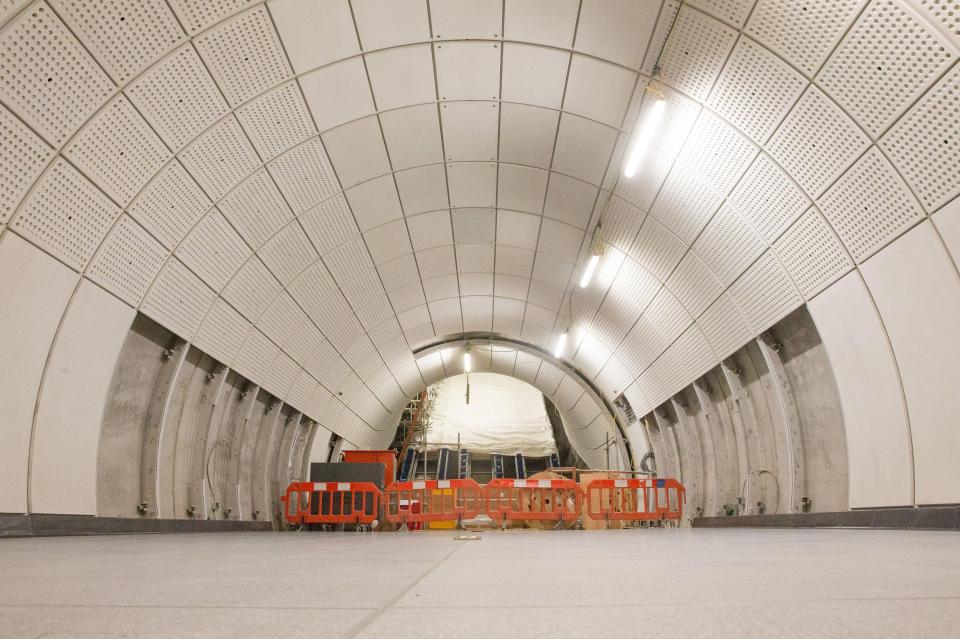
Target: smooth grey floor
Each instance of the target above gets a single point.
(629, 583)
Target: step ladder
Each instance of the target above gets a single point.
(408, 468)
(463, 471)
(521, 466)
(443, 463)
(554, 460)
(497, 470)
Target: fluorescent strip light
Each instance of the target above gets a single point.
(466, 363)
(588, 272)
(561, 345)
(644, 137)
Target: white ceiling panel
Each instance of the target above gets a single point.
(695, 53)
(517, 229)
(510, 286)
(315, 32)
(388, 241)
(357, 151)
(466, 19)
(470, 131)
(549, 22)
(534, 75)
(388, 23)
(330, 223)
(616, 30)
(570, 200)
(402, 77)
(514, 261)
(474, 226)
(441, 287)
(527, 134)
(521, 188)
(429, 230)
(436, 261)
(338, 93)
(472, 184)
(468, 70)
(399, 272)
(413, 136)
(474, 258)
(583, 148)
(476, 283)
(374, 202)
(423, 189)
(560, 240)
(598, 90)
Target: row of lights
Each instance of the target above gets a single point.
(639, 147)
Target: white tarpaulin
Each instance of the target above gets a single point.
(504, 415)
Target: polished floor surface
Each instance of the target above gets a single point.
(630, 583)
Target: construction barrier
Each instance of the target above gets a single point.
(418, 502)
(634, 499)
(331, 503)
(532, 499)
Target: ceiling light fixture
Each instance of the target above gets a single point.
(561, 345)
(588, 271)
(643, 136)
(466, 362)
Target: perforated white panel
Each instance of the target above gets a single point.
(765, 293)
(667, 315)
(277, 120)
(756, 90)
(943, 12)
(256, 208)
(694, 353)
(768, 198)
(288, 253)
(255, 357)
(49, 79)
(244, 55)
(178, 97)
(178, 299)
(313, 285)
(252, 289)
(66, 215)
(118, 150)
(728, 244)
(281, 319)
(23, 156)
(817, 142)
(694, 285)
(925, 144)
(197, 15)
(733, 12)
(213, 250)
(223, 332)
(220, 158)
(170, 205)
(695, 52)
(127, 261)
(305, 175)
(870, 205)
(716, 153)
(889, 57)
(812, 254)
(684, 205)
(125, 36)
(724, 326)
(803, 33)
(657, 249)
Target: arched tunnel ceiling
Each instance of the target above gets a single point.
(309, 191)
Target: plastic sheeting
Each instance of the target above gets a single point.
(505, 415)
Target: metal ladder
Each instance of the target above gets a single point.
(464, 462)
(443, 463)
(554, 460)
(497, 470)
(521, 465)
(409, 466)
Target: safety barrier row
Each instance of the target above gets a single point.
(416, 503)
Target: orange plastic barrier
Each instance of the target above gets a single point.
(331, 502)
(533, 499)
(634, 499)
(416, 502)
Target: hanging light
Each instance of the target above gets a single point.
(588, 271)
(643, 137)
(466, 362)
(561, 345)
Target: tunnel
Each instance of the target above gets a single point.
(243, 243)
